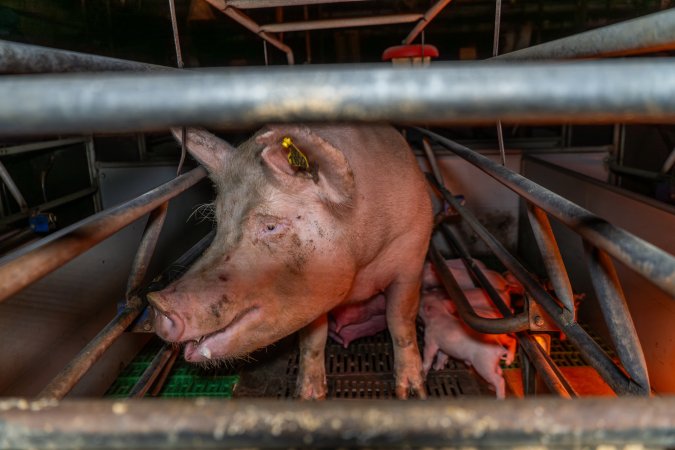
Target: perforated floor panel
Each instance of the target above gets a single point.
(364, 370)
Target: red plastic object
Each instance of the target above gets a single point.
(410, 51)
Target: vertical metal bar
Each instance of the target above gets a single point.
(93, 173)
(553, 262)
(433, 162)
(13, 189)
(146, 248)
(153, 370)
(617, 316)
(78, 367)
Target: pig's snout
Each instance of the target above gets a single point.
(168, 326)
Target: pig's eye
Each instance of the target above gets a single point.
(271, 227)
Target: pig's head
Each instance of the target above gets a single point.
(277, 261)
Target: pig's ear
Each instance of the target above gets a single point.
(329, 173)
(211, 151)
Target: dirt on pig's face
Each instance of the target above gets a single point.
(274, 266)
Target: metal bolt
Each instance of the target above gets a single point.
(538, 321)
(147, 326)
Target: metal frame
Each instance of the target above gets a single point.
(583, 422)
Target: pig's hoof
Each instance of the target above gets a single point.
(412, 384)
(311, 391)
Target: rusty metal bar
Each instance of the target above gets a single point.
(250, 4)
(49, 205)
(340, 23)
(464, 309)
(146, 248)
(78, 367)
(27, 265)
(542, 362)
(651, 33)
(589, 349)
(616, 314)
(154, 369)
(251, 25)
(35, 146)
(435, 9)
(266, 423)
(553, 262)
(644, 258)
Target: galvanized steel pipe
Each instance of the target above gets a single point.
(267, 423)
(644, 258)
(580, 92)
(650, 33)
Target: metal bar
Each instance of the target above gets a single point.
(23, 58)
(153, 370)
(159, 384)
(639, 255)
(589, 349)
(621, 90)
(251, 25)
(640, 173)
(266, 423)
(435, 9)
(249, 4)
(13, 188)
(78, 367)
(651, 33)
(27, 265)
(49, 205)
(464, 308)
(616, 314)
(553, 262)
(34, 146)
(543, 364)
(340, 23)
(146, 248)
(433, 162)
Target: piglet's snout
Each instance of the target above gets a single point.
(168, 326)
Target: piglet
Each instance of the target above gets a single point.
(445, 333)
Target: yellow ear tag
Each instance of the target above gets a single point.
(295, 157)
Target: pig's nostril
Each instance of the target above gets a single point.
(168, 326)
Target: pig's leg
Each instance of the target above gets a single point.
(311, 382)
(486, 364)
(402, 306)
(441, 360)
(430, 350)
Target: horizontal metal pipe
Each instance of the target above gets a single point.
(585, 92)
(340, 23)
(639, 255)
(35, 146)
(435, 9)
(590, 350)
(49, 205)
(266, 423)
(249, 4)
(27, 265)
(650, 33)
(464, 309)
(92, 352)
(23, 58)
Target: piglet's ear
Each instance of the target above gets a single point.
(329, 173)
(207, 148)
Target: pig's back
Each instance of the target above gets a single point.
(391, 192)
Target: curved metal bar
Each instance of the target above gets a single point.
(590, 350)
(639, 255)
